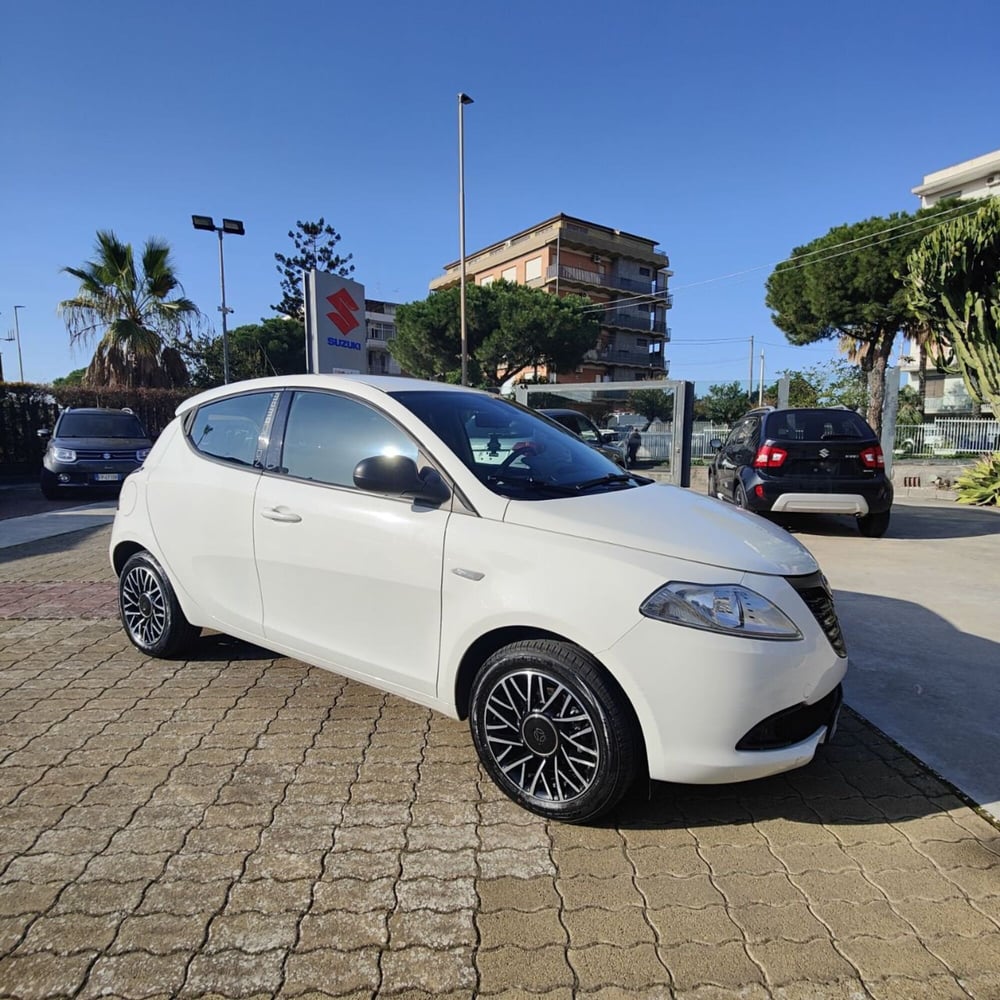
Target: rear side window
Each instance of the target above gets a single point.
(230, 429)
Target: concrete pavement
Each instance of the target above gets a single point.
(242, 825)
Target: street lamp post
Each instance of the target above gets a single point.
(17, 333)
(235, 228)
(463, 99)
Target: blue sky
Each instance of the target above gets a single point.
(728, 132)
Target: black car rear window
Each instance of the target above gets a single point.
(817, 425)
(100, 425)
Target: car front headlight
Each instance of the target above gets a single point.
(64, 454)
(725, 608)
(142, 454)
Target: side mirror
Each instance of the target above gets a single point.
(608, 437)
(397, 475)
(44, 433)
(715, 443)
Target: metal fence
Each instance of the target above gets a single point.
(947, 437)
(944, 438)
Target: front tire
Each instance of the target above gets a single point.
(553, 730)
(149, 611)
(874, 525)
(49, 486)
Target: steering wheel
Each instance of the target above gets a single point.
(520, 450)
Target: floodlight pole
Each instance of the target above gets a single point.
(463, 99)
(225, 312)
(17, 333)
(235, 228)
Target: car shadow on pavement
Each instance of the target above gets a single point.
(215, 647)
(908, 521)
(860, 779)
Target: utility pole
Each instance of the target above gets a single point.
(750, 390)
(760, 387)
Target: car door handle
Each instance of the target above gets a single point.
(280, 514)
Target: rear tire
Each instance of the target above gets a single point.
(874, 525)
(740, 497)
(553, 731)
(149, 611)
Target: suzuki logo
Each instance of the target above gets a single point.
(824, 453)
(344, 307)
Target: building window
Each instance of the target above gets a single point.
(533, 269)
(488, 280)
(644, 272)
(509, 274)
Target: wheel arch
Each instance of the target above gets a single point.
(487, 644)
(124, 551)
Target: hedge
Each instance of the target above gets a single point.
(25, 408)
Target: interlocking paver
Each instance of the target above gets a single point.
(242, 824)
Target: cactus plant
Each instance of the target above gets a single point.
(953, 286)
(980, 483)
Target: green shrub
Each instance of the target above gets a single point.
(980, 483)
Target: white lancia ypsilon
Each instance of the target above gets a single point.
(452, 547)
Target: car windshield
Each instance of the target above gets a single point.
(512, 450)
(100, 425)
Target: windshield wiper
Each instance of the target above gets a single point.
(608, 480)
(529, 483)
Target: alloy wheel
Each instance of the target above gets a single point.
(144, 605)
(541, 736)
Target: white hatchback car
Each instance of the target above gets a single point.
(456, 549)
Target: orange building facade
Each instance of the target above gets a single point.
(625, 276)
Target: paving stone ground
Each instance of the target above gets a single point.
(243, 825)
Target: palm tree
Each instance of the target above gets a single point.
(132, 313)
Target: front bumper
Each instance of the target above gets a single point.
(715, 708)
(92, 474)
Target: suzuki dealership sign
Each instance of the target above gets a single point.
(335, 324)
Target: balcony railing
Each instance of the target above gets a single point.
(586, 277)
(630, 321)
(626, 356)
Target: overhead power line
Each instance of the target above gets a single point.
(908, 228)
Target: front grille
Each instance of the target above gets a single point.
(792, 725)
(815, 593)
(95, 455)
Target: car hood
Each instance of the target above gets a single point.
(673, 522)
(101, 444)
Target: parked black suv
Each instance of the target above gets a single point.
(92, 448)
(804, 461)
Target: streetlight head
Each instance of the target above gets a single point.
(203, 222)
(234, 227)
(465, 99)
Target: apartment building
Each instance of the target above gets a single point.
(976, 178)
(625, 276)
(380, 330)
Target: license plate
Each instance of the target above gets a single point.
(107, 477)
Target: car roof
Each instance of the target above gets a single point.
(98, 409)
(556, 411)
(374, 383)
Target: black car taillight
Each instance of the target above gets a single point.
(872, 457)
(769, 456)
